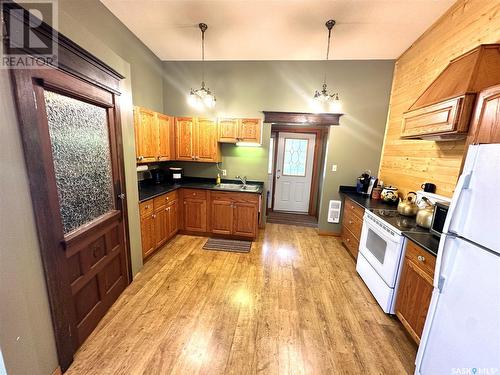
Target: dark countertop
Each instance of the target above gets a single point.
(364, 201)
(424, 239)
(149, 190)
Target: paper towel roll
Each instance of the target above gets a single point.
(142, 168)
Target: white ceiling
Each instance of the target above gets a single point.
(278, 29)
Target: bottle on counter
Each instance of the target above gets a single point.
(217, 181)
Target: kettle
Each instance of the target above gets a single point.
(407, 206)
(390, 194)
(424, 214)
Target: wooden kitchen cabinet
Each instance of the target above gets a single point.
(159, 221)
(147, 228)
(165, 133)
(415, 289)
(195, 210)
(485, 126)
(443, 111)
(184, 138)
(146, 135)
(153, 135)
(228, 130)
(196, 139)
(250, 130)
(207, 148)
(352, 223)
(232, 130)
(234, 214)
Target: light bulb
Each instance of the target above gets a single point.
(336, 106)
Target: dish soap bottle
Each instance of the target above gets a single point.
(217, 181)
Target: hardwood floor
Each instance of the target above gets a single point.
(278, 217)
(293, 305)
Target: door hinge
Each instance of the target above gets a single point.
(121, 196)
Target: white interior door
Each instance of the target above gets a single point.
(294, 172)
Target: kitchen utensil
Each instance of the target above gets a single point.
(408, 206)
(429, 187)
(390, 194)
(424, 214)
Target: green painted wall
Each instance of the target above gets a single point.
(26, 335)
(246, 88)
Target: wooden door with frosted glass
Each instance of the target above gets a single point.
(71, 136)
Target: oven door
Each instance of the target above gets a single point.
(381, 249)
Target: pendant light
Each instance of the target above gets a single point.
(323, 99)
(202, 97)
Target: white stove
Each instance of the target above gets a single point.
(380, 258)
(381, 251)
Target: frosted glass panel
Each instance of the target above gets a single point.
(294, 162)
(82, 162)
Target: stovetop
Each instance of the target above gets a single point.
(399, 222)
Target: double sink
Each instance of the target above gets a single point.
(238, 187)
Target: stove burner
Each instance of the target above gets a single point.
(398, 221)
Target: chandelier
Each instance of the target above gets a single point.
(202, 97)
(323, 99)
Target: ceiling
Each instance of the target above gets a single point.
(278, 30)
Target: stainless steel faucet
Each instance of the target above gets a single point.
(243, 180)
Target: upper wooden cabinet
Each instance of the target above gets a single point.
(485, 126)
(444, 110)
(153, 135)
(184, 138)
(250, 130)
(228, 130)
(146, 135)
(165, 133)
(232, 130)
(196, 139)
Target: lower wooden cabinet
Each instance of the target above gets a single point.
(352, 223)
(235, 214)
(195, 210)
(415, 289)
(159, 222)
(148, 235)
(200, 211)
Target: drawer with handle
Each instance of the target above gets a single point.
(350, 206)
(350, 242)
(421, 258)
(353, 223)
(146, 208)
(165, 199)
(195, 193)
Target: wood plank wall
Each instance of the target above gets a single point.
(409, 163)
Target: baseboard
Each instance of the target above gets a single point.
(57, 371)
(328, 233)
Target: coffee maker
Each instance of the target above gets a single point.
(363, 183)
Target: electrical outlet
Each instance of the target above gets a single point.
(334, 168)
(224, 172)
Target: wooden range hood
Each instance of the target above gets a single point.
(444, 110)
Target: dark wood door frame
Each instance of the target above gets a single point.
(321, 136)
(81, 66)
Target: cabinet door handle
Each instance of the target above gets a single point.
(348, 240)
(421, 258)
(350, 221)
(352, 207)
(154, 216)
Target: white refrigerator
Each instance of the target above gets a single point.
(462, 330)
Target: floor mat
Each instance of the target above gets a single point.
(222, 244)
